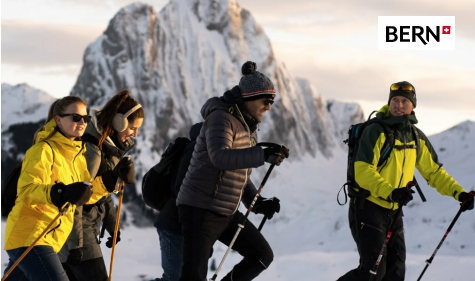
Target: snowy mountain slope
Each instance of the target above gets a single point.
(22, 104)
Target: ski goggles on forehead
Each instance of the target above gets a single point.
(77, 117)
(402, 87)
(268, 101)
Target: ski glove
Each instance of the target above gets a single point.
(401, 195)
(274, 153)
(110, 240)
(467, 200)
(75, 256)
(267, 206)
(124, 169)
(76, 193)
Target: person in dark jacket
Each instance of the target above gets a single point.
(167, 224)
(107, 138)
(218, 179)
(389, 186)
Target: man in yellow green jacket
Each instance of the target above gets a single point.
(389, 186)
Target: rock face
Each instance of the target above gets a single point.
(192, 50)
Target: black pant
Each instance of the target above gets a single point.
(89, 270)
(369, 224)
(201, 228)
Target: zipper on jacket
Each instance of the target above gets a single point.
(74, 163)
(218, 182)
(250, 145)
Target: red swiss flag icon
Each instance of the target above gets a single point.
(445, 29)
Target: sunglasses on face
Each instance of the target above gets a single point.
(402, 87)
(77, 117)
(268, 101)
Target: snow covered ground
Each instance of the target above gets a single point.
(310, 236)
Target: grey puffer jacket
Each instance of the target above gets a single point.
(87, 218)
(218, 175)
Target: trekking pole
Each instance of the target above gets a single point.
(429, 261)
(61, 212)
(241, 225)
(263, 221)
(373, 272)
(116, 227)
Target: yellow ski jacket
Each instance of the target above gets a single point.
(48, 161)
(399, 168)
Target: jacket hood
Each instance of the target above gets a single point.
(385, 115)
(212, 104)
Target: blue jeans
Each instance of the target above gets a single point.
(171, 246)
(40, 264)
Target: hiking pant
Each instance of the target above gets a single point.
(369, 224)
(92, 269)
(171, 247)
(40, 264)
(201, 228)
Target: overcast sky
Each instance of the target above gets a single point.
(331, 43)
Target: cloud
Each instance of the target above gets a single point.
(37, 44)
(285, 12)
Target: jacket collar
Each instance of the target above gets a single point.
(405, 120)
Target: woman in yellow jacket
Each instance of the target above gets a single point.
(388, 186)
(54, 172)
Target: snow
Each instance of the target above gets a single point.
(22, 103)
(310, 236)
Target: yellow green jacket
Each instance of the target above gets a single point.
(41, 169)
(398, 169)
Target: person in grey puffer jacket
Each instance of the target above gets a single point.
(218, 179)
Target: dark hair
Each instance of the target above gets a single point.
(58, 107)
(120, 103)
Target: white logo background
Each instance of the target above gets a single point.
(447, 41)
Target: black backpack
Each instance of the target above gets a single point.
(351, 188)
(9, 191)
(158, 181)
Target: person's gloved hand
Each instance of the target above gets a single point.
(110, 240)
(274, 153)
(124, 169)
(467, 200)
(76, 193)
(401, 195)
(75, 256)
(267, 206)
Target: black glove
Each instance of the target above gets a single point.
(401, 195)
(75, 256)
(124, 169)
(467, 200)
(274, 153)
(110, 240)
(76, 193)
(267, 206)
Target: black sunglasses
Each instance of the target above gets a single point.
(77, 117)
(268, 101)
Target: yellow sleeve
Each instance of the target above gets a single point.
(433, 172)
(35, 181)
